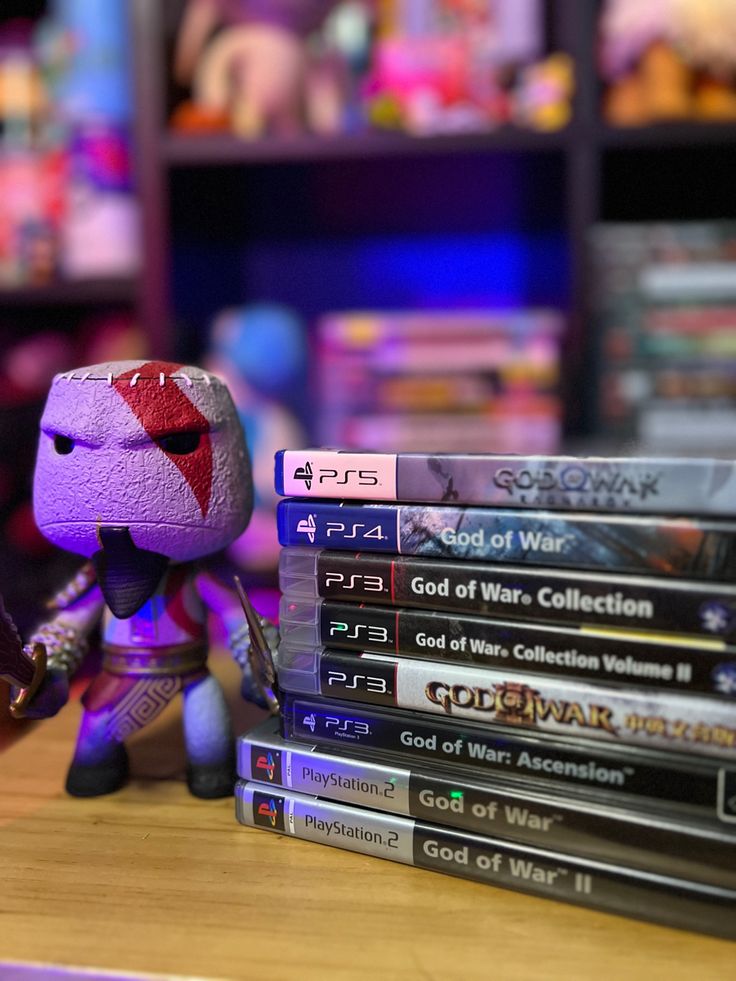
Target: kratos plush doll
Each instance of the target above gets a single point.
(142, 469)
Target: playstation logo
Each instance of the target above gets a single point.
(307, 526)
(310, 722)
(304, 473)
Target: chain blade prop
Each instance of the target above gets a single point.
(259, 654)
(20, 667)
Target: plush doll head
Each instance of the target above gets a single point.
(140, 463)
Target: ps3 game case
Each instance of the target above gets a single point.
(539, 872)
(565, 597)
(654, 843)
(658, 661)
(682, 723)
(696, 787)
(682, 547)
(637, 485)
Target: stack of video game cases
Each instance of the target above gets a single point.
(426, 379)
(520, 670)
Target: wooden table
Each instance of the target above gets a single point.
(152, 881)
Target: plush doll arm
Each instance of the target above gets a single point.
(75, 613)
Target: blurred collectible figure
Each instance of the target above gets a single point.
(241, 353)
(257, 71)
(143, 469)
(668, 59)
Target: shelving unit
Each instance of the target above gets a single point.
(29, 313)
(218, 215)
(587, 177)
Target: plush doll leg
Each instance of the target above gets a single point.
(100, 764)
(209, 740)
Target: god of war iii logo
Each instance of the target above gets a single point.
(517, 704)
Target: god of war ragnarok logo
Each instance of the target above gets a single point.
(578, 482)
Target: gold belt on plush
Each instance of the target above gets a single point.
(177, 659)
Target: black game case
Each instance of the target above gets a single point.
(658, 661)
(684, 723)
(558, 596)
(697, 788)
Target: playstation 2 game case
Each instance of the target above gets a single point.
(659, 661)
(554, 596)
(640, 839)
(639, 486)
(539, 872)
(645, 717)
(656, 545)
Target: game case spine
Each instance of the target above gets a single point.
(662, 662)
(544, 595)
(666, 900)
(641, 840)
(356, 330)
(697, 787)
(639, 486)
(686, 548)
(683, 723)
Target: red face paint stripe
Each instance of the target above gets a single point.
(165, 408)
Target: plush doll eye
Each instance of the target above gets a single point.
(63, 444)
(179, 443)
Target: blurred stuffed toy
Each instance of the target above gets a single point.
(668, 60)
(260, 352)
(707, 39)
(543, 95)
(257, 71)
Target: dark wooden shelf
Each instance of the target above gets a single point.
(72, 293)
(667, 135)
(180, 150)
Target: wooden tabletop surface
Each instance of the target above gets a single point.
(152, 881)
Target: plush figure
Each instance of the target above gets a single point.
(544, 94)
(706, 34)
(241, 354)
(257, 69)
(23, 98)
(648, 78)
(142, 468)
(669, 59)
